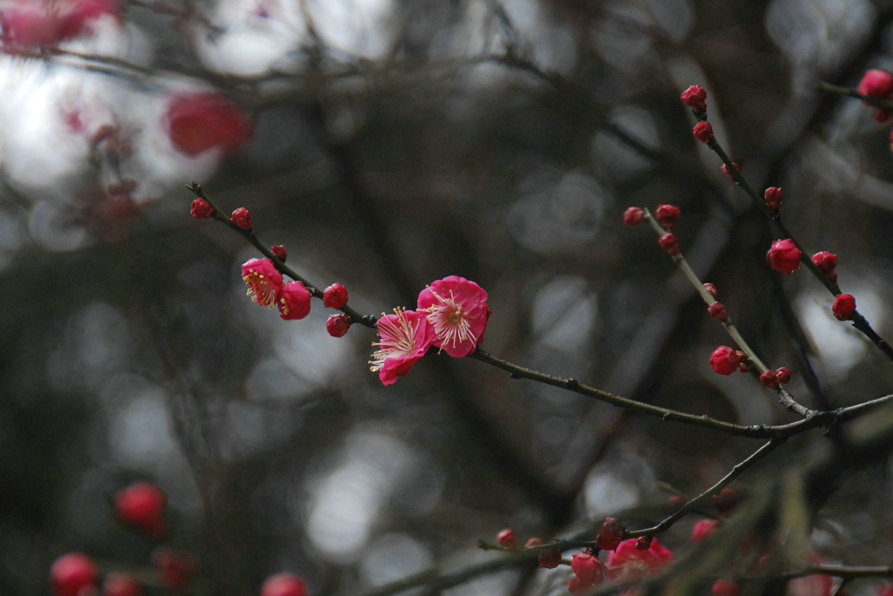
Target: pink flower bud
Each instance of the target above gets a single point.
(825, 261)
(201, 209)
(703, 529)
(769, 378)
(335, 296)
(294, 301)
(703, 131)
(695, 98)
(724, 360)
(666, 216)
(141, 505)
(773, 197)
(728, 171)
(784, 256)
(242, 218)
(337, 325)
(724, 587)
(844, 306)
(876, 83)
(783, 374)
(610, 534)
(717, 310)
(506, 538)
(73, 574)
(669, 243)
(633, 216)
(711, 289)
(279, 252)
(588, 568)
(121, 584)
(533, 541)
(284, 584)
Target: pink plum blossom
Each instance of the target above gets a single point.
(457, 309)
(629, 564)
(404, 337)
(264, 281)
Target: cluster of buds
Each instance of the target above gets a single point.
(141, 507)
(774, 378)
(879, 84)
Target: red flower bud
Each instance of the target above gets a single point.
(703, 131)
(669, 243)
(783, 374)
(876, 83)
(588, 568)
(784, 256)
(711, 289)
(844, 306)
(728, 171)
(279, 252)
(610, 534)
(506, 538)
(724, 587)
(695, 98)
(335, 296)
(533, 541)
(550, 559)
(73, 574)
(294, 301)
(242, 218)
(337, 325)
(141, 505)
(284, 584)
(121, 584)
(703, 529)
(643, 542)
(201, 209)
(633, 216)
(769, 378)
(773, 197)
(717, 310)
(666, 216)
(825, 261)
(724, 360)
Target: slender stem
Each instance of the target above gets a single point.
(784, 397)
(859, 321)
(736, 471)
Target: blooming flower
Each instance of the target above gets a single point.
(784, 256)
(264, 281)
(294, 301)
(404, 337)
(458, 312)
(628, 564)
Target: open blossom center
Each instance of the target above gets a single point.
(450, 323)
(260, 288)
(398, 339)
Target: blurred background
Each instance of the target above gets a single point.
(393, 143)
